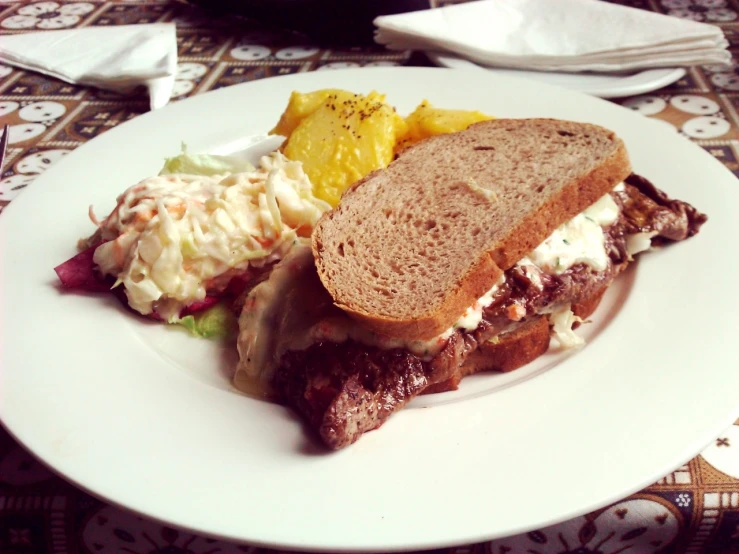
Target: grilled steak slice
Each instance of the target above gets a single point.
(648, 209)
(346, 389)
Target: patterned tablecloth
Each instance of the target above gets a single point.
(694, 509)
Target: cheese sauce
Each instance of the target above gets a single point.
(473, 315)
(579, 241)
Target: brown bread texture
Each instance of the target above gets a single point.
(513, 350)
(410, 247)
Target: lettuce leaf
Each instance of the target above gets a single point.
(214, 323)
(204, 164)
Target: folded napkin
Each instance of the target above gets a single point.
(556, 35)
(117, 58)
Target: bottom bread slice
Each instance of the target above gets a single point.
(514, 349)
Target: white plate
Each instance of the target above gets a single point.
(145, 417)
(605, 85)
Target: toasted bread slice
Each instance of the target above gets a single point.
(410, 247)
(586, 307)
(515, 349)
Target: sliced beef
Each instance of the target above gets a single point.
(647, 209)
(344, 390)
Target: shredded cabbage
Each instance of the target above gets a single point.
(174, 238)
(562, 320)
(271, 198)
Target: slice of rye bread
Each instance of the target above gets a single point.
(515, 349)
(410, 247)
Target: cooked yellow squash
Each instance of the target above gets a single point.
(340, 137)
(299, 107)
(427, 121)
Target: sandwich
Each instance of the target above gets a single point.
(465, 254)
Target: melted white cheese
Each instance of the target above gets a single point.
(472, 316)
(341, 328)
(639, 242)
(532, 271)
(580, 240)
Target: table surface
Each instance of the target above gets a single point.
(694, 509)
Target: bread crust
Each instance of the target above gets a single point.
(585, 308)
(515, 349)
(573, 199)
(479, 280)
(484, 270)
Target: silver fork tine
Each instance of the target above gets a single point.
(3, 145)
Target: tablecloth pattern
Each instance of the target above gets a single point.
(694, 509)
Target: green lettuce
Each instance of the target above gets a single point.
(204, 164)
(217, 322)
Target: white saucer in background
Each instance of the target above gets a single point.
(604, 85)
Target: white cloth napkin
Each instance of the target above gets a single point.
(556, 35)
(117, 58)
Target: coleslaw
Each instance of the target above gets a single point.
(174, 238)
